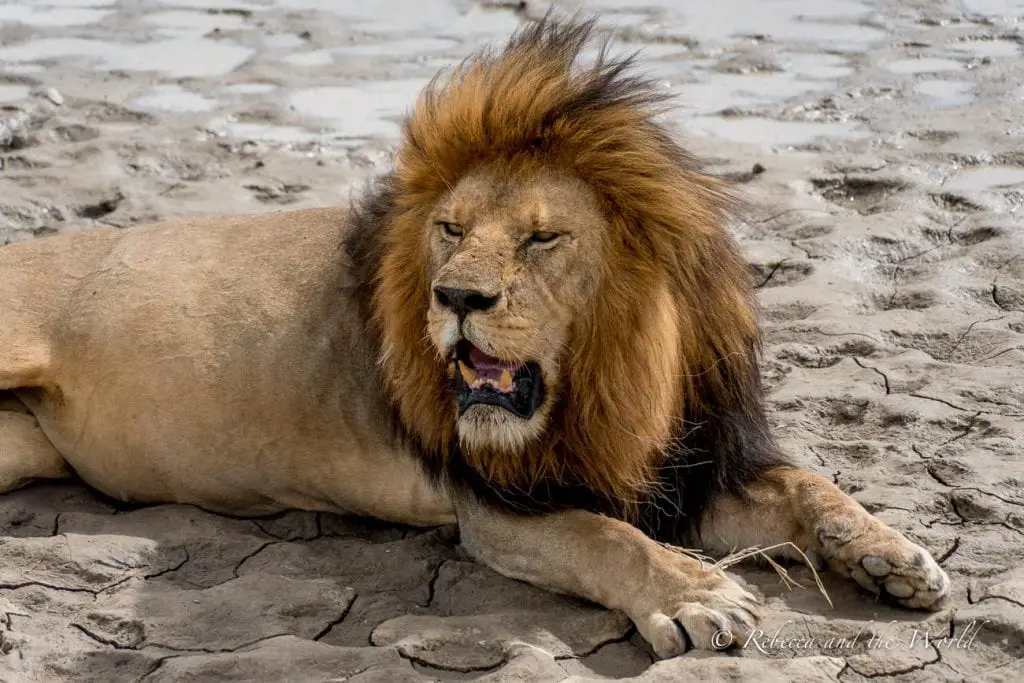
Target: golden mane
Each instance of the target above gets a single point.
(672, 326)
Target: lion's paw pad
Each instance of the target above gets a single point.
(883, 561)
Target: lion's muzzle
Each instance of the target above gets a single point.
(483, 379)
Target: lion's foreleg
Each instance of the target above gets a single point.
(788, 504)
(615, 565)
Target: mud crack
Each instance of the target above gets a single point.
(996, 301)
(598, 646)
(961, 408)
(330, 626)
(919, 666)
(949, 553)
(885, 378)
(420, 662)
(967, 430)
(1000, 597)
(771, 273)
(432, 584)
(956, 344)
(238, 567)
(42, 584)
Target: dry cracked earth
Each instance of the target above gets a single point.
(882, 147)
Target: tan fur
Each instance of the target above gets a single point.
(195, 362)
(229, 362)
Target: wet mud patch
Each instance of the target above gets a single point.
(779, 273)
(863, 194)
(957, 202)
(908, 299)
(100, 208)
(283, 193)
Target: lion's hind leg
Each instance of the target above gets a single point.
(28, 295)
(25, 452)
(788, 504)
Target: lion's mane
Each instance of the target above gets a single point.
(661, 405)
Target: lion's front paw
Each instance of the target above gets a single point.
(884, 562)
(688, 606)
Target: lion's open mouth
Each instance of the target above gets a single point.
(483, 379)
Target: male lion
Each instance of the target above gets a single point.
(536, 325)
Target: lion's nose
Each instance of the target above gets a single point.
(464, 301)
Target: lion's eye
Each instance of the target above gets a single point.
(451, 230)
(543, 237)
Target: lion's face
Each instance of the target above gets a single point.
(514, 261)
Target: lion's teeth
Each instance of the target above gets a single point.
(451, 371)
(468, 373)
(506, 381)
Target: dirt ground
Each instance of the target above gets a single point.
(882, 147)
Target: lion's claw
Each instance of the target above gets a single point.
(712, 612)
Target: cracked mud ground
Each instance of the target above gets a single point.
(880, 146)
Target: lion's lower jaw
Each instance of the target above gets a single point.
(487, 427)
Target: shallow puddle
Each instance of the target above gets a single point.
(924, 65)
(181, 58)
(422, 17)
(837, 23)
(815, 66)
(174, 98)
(283, 41)
(13, 93)
(722, 91)
(310, 59)
(216, 4)
(728, 90)
(801, 74)
(771, 133)
(990, 179)
(250, 89)
(622, 19)
(1000, 8)
(261, 131)
(992, 49)
(51, 16)
(371, 109)
(74, 3)
(395, 50)
(413, 47)
(195, 22)
(946, 94)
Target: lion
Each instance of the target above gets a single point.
(535, 325)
